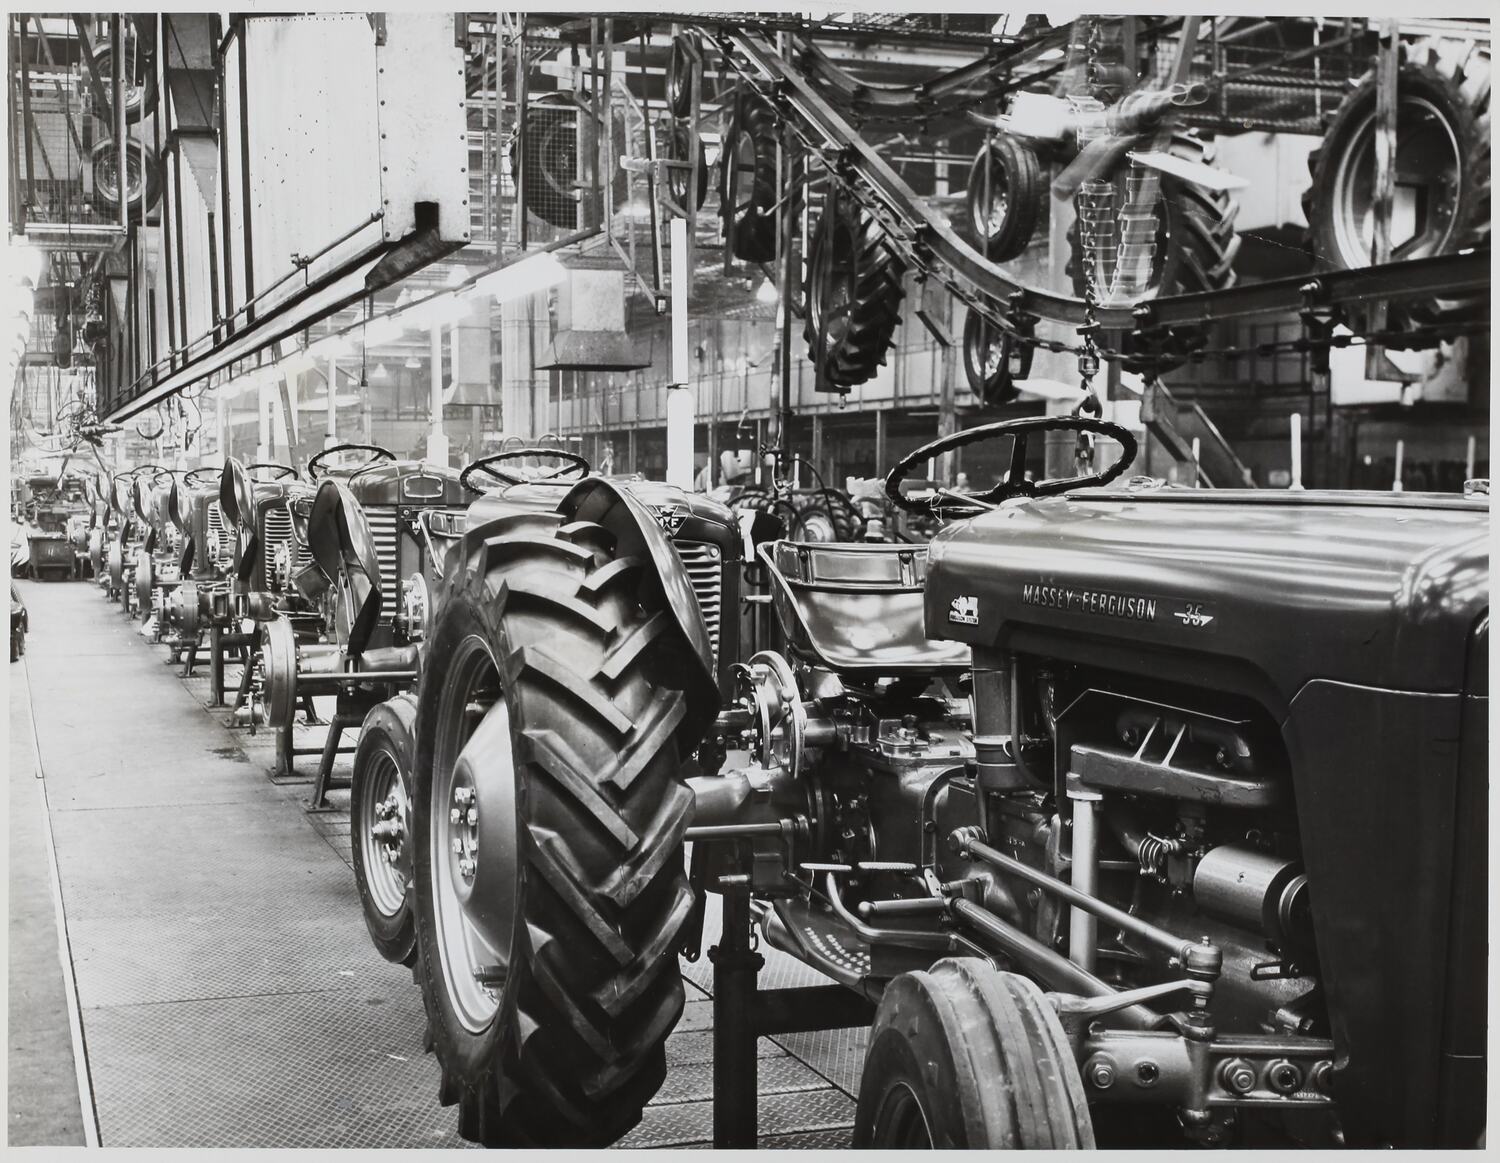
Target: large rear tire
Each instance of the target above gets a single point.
(380, 823)
(548, 822)
(1443, 124)
(966, 1056)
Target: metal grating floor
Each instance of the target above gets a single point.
(228, 991)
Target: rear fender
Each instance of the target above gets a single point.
(664, 586)
(339, 539)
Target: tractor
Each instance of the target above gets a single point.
(370, 523)
(257, 509)
(124, 543)
(1121, 812)
(159, 560)
(207, 556)
(54, 502)
(519, 491)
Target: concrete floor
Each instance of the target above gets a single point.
(227, 992)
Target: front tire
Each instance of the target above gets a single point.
(380, 824)
(966, 1056)
(546, 915)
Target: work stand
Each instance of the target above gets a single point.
(743, 1013)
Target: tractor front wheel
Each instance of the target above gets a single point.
(966, 1056)
(380, 811)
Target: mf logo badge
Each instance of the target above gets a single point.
(1194, 614)
(671, 517)
(964, 610)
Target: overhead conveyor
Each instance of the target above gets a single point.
(923, 235)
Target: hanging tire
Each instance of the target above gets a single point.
(680, 73)
(1196, 245)
(679, 145)
(546, 918)
(750, 145)
(1196, 241)
(1443, 134)
(142, 180)
(987, 360)
(1004, 197)
(380, 824)
(966, 1056)
(854, 294)
(826, 516)
(140, 100)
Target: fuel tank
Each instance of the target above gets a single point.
(1269, 590)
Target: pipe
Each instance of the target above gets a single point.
(1083, 926)
(1054, 970)
(1198, 960)
(731, 831)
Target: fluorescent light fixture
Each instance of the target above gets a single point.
(534, 273)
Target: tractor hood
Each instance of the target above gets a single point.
(406, 482)
(1376, 589)
(673, 505)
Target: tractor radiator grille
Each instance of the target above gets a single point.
(221, 538)
(386, 534)
(276, 531)
(706, 573)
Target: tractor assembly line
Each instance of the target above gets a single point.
(848, 580)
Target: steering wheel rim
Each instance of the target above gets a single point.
(283, 471)
(217, 474)
(1013, 484)
(378, 454)
(486, 464)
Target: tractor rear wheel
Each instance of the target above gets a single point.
(548, 819)
(380, 823)
(966, 1056)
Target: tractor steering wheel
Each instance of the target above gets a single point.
(946, 503)
(214, 475)
(283, 472)
(575, 465)
(377, 455)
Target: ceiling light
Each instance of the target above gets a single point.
(767, 293)
(380, 373)
(412, 362)
(534, 273)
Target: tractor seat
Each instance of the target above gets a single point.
(857, 609)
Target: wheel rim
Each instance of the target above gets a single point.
(902, 1122)
(107, 174)
(385, 818)
(473, 841)
(1426, 144)
(994, 211)
(818, 527)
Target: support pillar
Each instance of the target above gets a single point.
(437, 442)
(330, 436)
(680, 411)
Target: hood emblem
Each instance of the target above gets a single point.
(1194, 615)
(964, 610)
(670, 517)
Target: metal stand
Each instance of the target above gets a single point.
(742, 1013)
(286, 749)
(342, 720)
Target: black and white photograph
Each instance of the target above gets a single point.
(794, 578)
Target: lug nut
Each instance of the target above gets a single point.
(455, 815)
(1237, 1076)
(457, 845)
(1100, 1073)
(1285, 1077)
(466, 869)
(473, 816)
